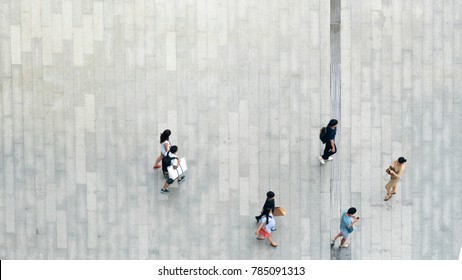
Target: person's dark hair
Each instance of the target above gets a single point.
(332, 122)
(402, 160)
(351, 211)
(266, 213)
(165, 135)
(270, 194)
(174, 149)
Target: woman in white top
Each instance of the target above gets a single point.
(266, 225)
(164, 147)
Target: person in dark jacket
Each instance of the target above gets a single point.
(269, 204)
(330, 148)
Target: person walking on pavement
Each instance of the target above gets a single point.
(347, 221)
(171, 159)
(266, 226)
(164, 147)
(330, 148)
(395, 170)
(269, 203)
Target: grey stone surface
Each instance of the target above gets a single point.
(410, 107)
(86, 87)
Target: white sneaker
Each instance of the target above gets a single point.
(330, 158)
(322, 160)
(344, 246)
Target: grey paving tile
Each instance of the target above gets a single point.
(60, 190)
(49, 164)
(3, 235)
(10, 214)
(81, 242)
(10, 246)
(50, 203)
(112, 242)
(143, 242)
(51, 240)
(61, 230)
(6, 57)
(92, 230)
(15, 44)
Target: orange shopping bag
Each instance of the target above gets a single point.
(263, 233)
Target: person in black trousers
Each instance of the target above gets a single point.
(269, 204)
(330, 148)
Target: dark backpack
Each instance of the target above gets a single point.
(167, 161)
(323, 134)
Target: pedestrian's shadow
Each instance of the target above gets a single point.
(337, 253)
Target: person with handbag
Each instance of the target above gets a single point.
(164, 147)
(329, 139)
(266, 225)
(269, 203)
(395, 171)
(170, 159)
(347, 221)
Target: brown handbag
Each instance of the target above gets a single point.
(279, 211)
(388, 170)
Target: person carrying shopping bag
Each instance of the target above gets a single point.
(266, 225)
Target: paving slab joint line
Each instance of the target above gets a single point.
(335, 95)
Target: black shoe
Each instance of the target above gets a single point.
(256, 218)
(181, 180)
(164, 191)
(273, 229)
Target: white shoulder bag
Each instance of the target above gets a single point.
(175, 173)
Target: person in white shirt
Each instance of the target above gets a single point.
(266, 225)
(171, 159)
